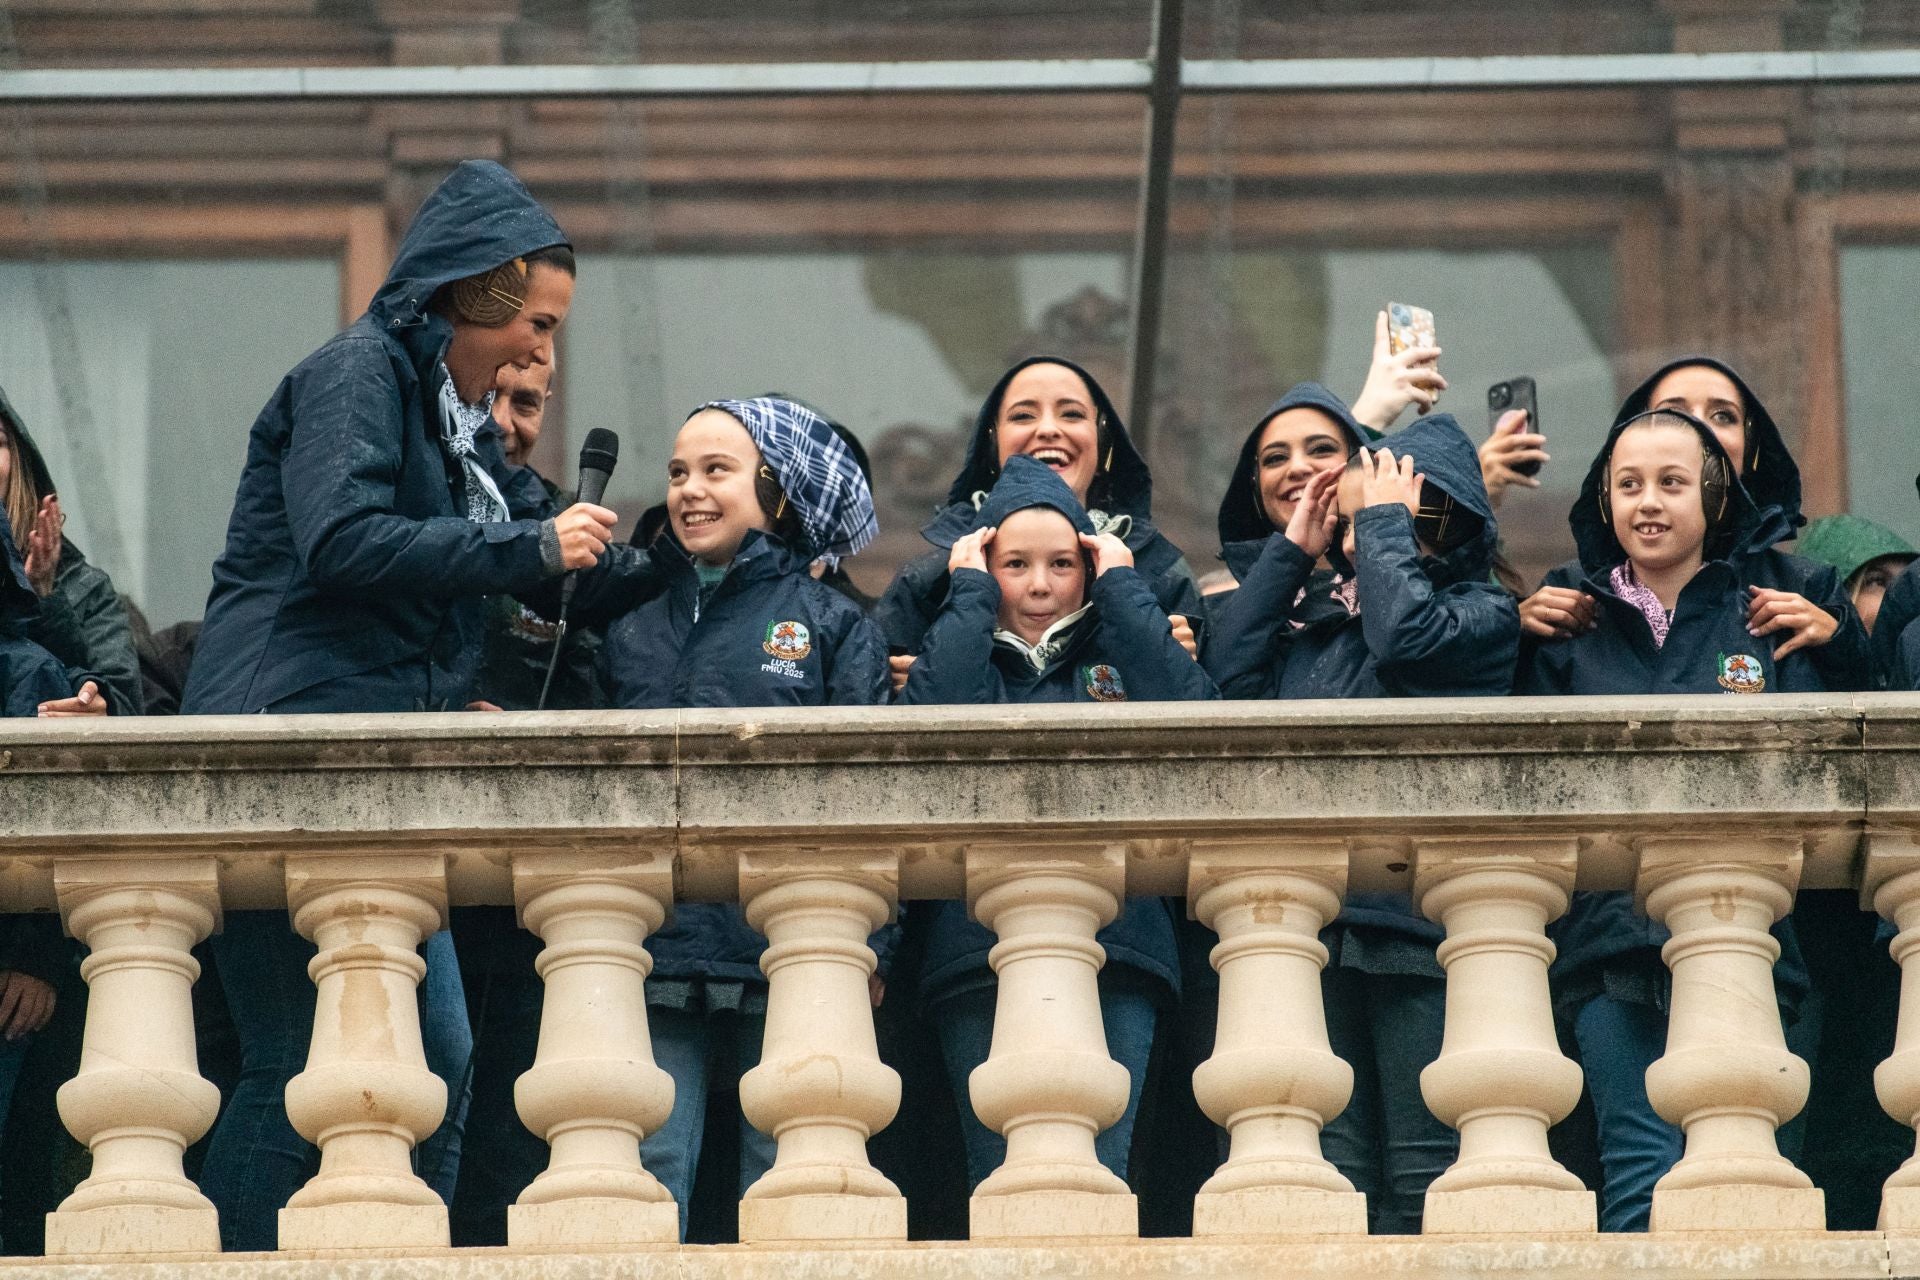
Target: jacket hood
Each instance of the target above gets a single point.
(1242, 515)
(480, 217)
(1745, 524)
(42, 478)
(1442, 453)
(1771, 476)
(1123, 484)
(1025, 483)
(18, 601)
(1849, 543)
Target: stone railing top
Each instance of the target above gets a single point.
(930, 781)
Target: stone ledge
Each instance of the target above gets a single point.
(1742, 1256)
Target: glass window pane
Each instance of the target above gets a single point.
(1878, 286)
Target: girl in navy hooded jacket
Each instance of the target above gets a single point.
(1675, 554)
(1408, 612)
(1021, 623)
(1052, 410)
(756, 491)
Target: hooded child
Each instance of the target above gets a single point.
(374, 515)
(79, 619)
(31, 678)
(1714, 393)
(1407, 611)
(1026, 619)
(1050, 409)
(1672, 551)
(757, 491)
(1869, 558)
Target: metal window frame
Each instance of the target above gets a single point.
(1163, 77)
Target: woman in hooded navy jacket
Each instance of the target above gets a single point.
(375, 514)
(1610, 983)
(1077, 428)
(1109, 641)
(1408, 612)
(758, 489)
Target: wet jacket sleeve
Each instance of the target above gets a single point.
(1178, 591)
(1140, 638)
(1845, 663)
(910, 603)
(84, 625)
(1245, 652)
(1459, 640)
(956, 655)
(857, 668)
(338, 478)
(1545, 668)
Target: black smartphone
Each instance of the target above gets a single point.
(1515, 393)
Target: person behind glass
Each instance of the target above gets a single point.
(1674, 550)
(79, 618)
(1043, 608)
(374, 515)
(1052, 410)
(1407, 611)
(1712, 392)
(757, 491)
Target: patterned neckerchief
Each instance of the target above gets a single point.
(1636, 593)
(459, 424)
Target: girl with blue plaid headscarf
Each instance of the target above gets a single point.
(757, 490)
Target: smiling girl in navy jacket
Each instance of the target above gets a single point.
(1689, 596)
(1021, 622)
(756, 491)
(1407, 612)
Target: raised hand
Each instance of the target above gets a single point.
(42, 551)
(1108, 552)
(970, 552)
(1510, 446)
(1385, 479)
(1316, 514)
(1396, 381)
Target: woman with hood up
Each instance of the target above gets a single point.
(375, 514)
(1673, 552)
(1406, 611)
(1052, 410)
(1717, 396)
(79, 620)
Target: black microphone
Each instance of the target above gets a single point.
(597, 457)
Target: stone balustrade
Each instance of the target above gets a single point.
(1713, 811)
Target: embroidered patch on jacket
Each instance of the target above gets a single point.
(1103, 683)
(788, 640)
(1741, 673)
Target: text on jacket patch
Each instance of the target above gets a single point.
(787, 643)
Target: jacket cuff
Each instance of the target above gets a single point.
(551, 560)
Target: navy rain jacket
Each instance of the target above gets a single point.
(1243, 522)
(1120, 649)
(1124, 493)
(29, 675)
(1707, 650)
(1896, 641)
(351, 574)
(767, 636)
(1428, 627)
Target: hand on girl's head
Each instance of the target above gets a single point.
(1108, 552)
(1770, 611)
(1385, 479)
(970, 552)
(1316, 514)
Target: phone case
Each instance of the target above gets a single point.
(1409, 327)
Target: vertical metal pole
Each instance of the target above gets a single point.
(1150, 237)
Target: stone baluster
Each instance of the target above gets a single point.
(1048, 1085)
(366, 1096)
(820, 1089)
(594, 1091)
(1727, 1078)
(1500, 1079)
(1892, 885)
(1273, 1081)
(138, 1101)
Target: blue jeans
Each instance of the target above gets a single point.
(1618, 1041)
(256, 1161)
(1387, 1027)
(694, 1048)
(964, 1023)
